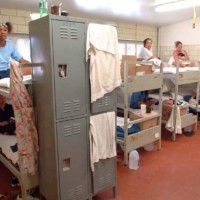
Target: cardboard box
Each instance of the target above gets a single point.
(167, 109)
(145, 124)
(134, 68)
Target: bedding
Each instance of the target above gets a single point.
(6, 144)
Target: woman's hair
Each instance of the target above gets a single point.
(9, 27)
(145, 41)
(177, 43)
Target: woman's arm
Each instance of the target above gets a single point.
(22, 60)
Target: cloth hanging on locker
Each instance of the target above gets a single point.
(103, 51)
(27, 137)
(170, 123)
(102, 137)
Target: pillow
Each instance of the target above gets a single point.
(5, 82)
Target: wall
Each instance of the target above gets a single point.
(21, 18)
(184, 32)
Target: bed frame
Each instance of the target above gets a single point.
(26, 181)
(135, 84)
(182, 78)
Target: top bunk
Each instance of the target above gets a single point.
(140, 75)
(181, 76)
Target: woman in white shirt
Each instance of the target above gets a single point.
(146, 51)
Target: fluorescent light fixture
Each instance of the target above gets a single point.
(177, 5)
(116, 6)
(160, 2)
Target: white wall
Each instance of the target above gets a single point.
(183, 32)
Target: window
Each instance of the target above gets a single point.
(129, 47)
(22, 43)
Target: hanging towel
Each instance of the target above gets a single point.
(102, 137)
(170, 124)
(102, 48)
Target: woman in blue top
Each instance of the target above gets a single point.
(7, 50)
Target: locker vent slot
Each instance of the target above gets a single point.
(108, 179)
(101, 182)
(105, 101)
(76, 105)
(79, 190)
(64, 32)
(67, 131)
(70, 194)
(67, 106)
(76, 129)
(74, 33)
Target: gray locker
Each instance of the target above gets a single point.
(73, 152)
(105, 104)
(104, 175)
(69, 68)
(62, 100)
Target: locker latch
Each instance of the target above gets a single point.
(62, 70)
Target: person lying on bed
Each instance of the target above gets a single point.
(138, 98)
(7, 122)
(180, 54)
(7, 50)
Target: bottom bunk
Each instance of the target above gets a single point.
(11, 159)
(141, 132)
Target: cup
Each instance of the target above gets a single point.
(149, 109)
(55, 10)
(143, 109)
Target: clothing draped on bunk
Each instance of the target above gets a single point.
(102, 49)
(27, 137)
(102, 137)
(170, 123)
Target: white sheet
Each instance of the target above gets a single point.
(172, 70)
(5, 142)
(102, 137)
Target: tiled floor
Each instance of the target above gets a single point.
(170, 174)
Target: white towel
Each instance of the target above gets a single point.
(102, 48)
(170, 124)
(102, 137)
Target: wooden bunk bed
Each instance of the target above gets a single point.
(178, 78)
(136, 83)
(26, 180)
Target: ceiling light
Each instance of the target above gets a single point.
(116, 6)
(177, 5)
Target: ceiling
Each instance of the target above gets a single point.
(137, 11)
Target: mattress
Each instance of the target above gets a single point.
(6, 141)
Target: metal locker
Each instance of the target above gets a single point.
(105, 104)
(104, 175)
(73, 159)
(69, 68)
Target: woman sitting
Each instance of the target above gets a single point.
(181, 55)
(7, 122)
(146, 53)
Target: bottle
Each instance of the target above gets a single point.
(134, 160)
(43, 8)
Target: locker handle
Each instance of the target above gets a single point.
(66, 164)
(62, 70)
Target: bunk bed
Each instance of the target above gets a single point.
(14, 161)
(179, 77)
(135, 83)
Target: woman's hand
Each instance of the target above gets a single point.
(4, 123)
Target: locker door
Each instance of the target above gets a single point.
(73, 153)
(69, 68)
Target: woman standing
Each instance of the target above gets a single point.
(7, 50)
